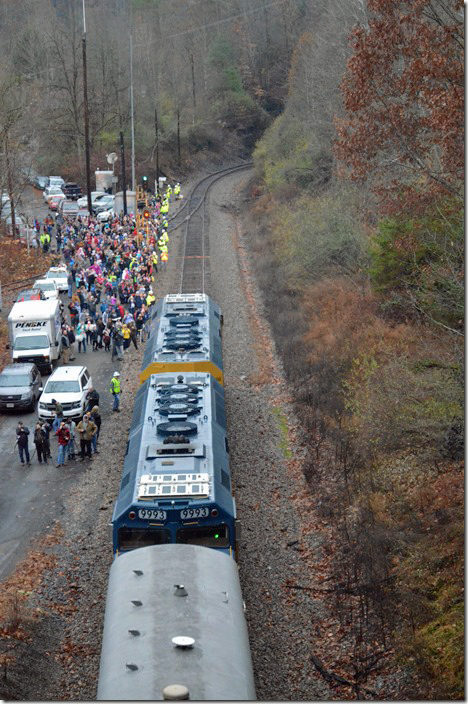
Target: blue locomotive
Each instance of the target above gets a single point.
(175, 628)
(176, 483)
(185, 334)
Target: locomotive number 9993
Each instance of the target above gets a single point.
(195, 513)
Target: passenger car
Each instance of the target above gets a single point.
(68, 208)
(20, 386)
(55, 181)
(83, 202)
(104, 202)
(72, 190)
(58, 274)
(68, 386)
(51, 191)
(54, 200)
(31, 294)
(48, 287)
(182, 590)
(40, 182)
(105, 215)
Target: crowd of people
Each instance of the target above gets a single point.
(112, 270)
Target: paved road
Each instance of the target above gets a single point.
(32, 497)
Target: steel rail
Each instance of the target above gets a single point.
(195, 264)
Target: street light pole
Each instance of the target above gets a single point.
(131, 109)
(86, 119)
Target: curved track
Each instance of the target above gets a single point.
(194, 252)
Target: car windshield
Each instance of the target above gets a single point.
(31, 342)
(29, 296)
(45, 287)
(69, 206)
(57, 275)
(56, 387)
(14, 380)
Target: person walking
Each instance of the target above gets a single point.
(65, 346)
(96, 418)
(71, 339)
(40, 441)
(46, 428)
(92, 399)
(63, 437)
(58, 415)
(116, 390)
(117, 343)
(81, 337)
(22, 433)
(71, 425)
(86, 429)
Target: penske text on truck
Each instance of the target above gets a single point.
(35, 332)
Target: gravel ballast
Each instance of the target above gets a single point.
(265, 465)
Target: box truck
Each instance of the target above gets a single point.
(34, 329)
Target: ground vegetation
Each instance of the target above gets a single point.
(357, 226)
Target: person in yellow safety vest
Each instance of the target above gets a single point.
(164, 207)
(150, 299)
(154, 258)
(160, 243)
(177, 191)
(164, 258)
(132, 263)
(165, 237)
(45, 241)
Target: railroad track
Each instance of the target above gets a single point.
(194, 251)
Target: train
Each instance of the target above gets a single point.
(175, 628)
(176, 483)
(174, 625)
(185, 333)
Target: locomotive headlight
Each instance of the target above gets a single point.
(132, 515)
(214, 512)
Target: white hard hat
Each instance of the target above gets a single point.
(116, 374)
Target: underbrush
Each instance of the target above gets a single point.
(381, 401)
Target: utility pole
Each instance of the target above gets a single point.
(124, 178)
(193, 89)
(178, 137)
(131, 108)
(157, 147)
(86, 119)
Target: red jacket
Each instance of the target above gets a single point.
(63, 436)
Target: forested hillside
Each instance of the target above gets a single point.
(360, 197)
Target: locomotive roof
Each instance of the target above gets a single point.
(186, 329)
(161, 593)
(177, 446)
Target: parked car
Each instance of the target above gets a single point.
(48, 287)
(83, 202)
(105, 215)
(55, 181)
(68, 208)
(51, 191)
(58, 274)
(40, 182)
(72, 190)
(20, 386)
(68, 386)
(30, 294)
(102, 203)
(55, 200)
(83, 213)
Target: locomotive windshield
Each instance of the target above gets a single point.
(208, 536)
(131, 538)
